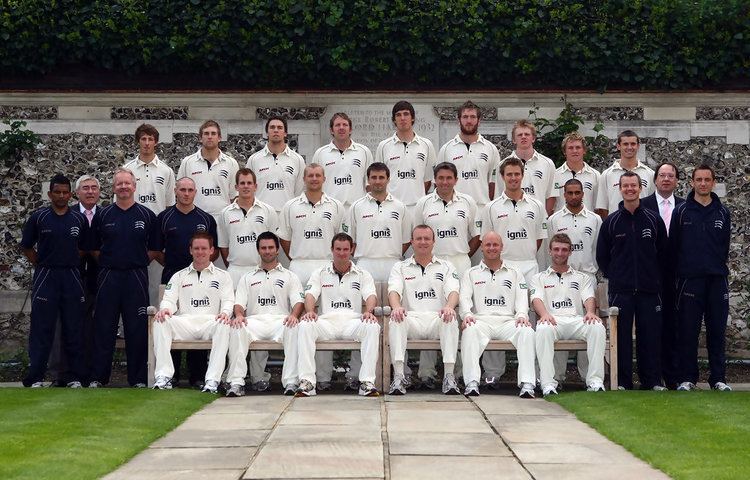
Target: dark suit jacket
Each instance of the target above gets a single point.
(89, 266)
(652, 203)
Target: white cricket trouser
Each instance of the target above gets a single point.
(423, 326)
(570, 328)
(339, 324)
(475, 338)
(262, 327)
(191, 327)
(582, 360)
(258, 358)
(155, 270)
(379, 268)
(494, 362)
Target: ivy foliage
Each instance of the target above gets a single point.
(337, 44)
(15, 139)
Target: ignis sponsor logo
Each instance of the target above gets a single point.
(347, 180)
(494, 302)
(200, 302)
(267, 301)
(317, 234)
(577, 247)
(447, 233)
(529, 189)
(147, 198)
(211, 191)
(558, 304)
(517, 235)
(342, 304)
(243, 239)
(384, 233)
(408, 174)
(275, 186)
(425, 294)
(470, 175)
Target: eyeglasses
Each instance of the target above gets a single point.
(666, 175)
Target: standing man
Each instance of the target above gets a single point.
(58, 233)
(538, 170)
(475, 158)
(125, 239)
(409, 156)
(423, 293)
(631, 253)
(699, 236)
(267, 306)
(344, 161)
(212, 171)
(379, 225)
(177, 225)
(574, 149)
(559, 295)
(340, 288)
(664, 202)
(494, 306)
(608, 198)
(197, 305)
(278, 168)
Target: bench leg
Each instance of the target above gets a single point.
(386, 355)
(613, 380)
(151, 365)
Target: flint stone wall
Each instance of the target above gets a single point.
(97, 138)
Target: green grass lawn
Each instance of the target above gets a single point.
(686, 435)
(77, 434)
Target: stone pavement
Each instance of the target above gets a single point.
(420, 435)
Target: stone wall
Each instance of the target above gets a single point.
(93, 134)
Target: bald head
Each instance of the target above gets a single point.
(492, 246)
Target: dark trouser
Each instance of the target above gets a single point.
(646, 309)
(702, 298)
(56, 293)
(669, 345)
(121, 292)
(197, 363)
(58, 362)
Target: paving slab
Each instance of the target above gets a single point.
(331, 417)
(446, 443)
(326, 402)
(425, 397)
(506, 404)
(330, 433)
(231, 421)
(166, 459)
(593, 472)
(576, 453)
(544, 429)
(397, 406)
(184, 438)
(213, 474)
(474, 468)
(437, 421)
(247, 405)
(319, 460)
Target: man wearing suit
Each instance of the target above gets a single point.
(663, 202)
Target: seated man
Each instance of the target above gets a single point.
(423, 293)
(197, 305)
(340, 287)
(264, 298)
(559, 296)
(495, 306)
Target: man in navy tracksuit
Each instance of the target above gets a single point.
(124, 239)
(177, 225)
(699, 244)
(631, 253)
(58, 233)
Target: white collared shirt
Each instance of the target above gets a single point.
(538, 176)
(215, 185)
(502, 293)
(476, 163)
(562, 294)
(279, 177)
(583, 230)
(238, 231)
(154, 183)
(347, 292)
(519, 225)
(188, 292)
(274, 292)
(310, 228)
(423, 289)
(379, 230)
(411, 165)
(588, 177)
(455, 222)
(345, 171)
(609, 196)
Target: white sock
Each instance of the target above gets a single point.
(398, 369)
(448, 368)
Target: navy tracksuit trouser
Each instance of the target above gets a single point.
(56, 293)
(702, 299)
(645, 308)
(121, 292)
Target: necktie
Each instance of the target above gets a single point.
(666, 212)
(89, 215)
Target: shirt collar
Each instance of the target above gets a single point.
(660, 199)
(268, 152)
(388, 197)
(483, 266)
(585, 212)
(352, 146)
(236, 206)
(503, 197)
(566, 168)
(395, 139)
(436, 198)
(352, 269)
(617, 166)
(278, 268)
(412, 261)
(535, 156)
(550, 271)
(210, 268)
(457, 139)
(222, 157)
(324, 199)
(140, 163)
